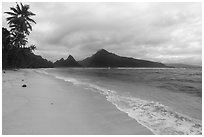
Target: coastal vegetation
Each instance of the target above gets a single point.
(15, 50)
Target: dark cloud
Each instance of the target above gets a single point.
(165, 32)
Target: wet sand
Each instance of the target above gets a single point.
(51, 106)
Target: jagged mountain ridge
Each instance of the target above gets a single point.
(69, 62)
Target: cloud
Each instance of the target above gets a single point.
(164, 32)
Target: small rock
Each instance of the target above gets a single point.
(51, 103)
(4, 72)
(24, 85)
(22, 80)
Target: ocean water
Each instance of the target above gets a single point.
(166, 101)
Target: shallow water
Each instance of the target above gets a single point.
(166, 101)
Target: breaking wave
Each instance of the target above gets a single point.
(158, 118)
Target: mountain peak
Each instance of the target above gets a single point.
(70, 57)
(102, 50)
(62, 59)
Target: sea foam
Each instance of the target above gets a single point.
(158, 118)
(43, 71)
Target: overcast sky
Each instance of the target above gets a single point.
(164, 32)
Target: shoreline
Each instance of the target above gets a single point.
(51, 106)
(149, 113)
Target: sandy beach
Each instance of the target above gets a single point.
(52, 106)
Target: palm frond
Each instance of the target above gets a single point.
(13, 25)
(29, 26)
(29, 19)
(29, 13)
(22, 6)
(11, 13)
(13, 34)
(12, 29)
(26, 7)
(10, 22)
(14, 10)
(22, 40)
(13, 21)
(18, 8)
(10, 18)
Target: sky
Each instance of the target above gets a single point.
(162, 32)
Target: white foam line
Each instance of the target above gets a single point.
(43, 71)
(158, 118)
(167, 119)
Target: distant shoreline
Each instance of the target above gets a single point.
(137, 68)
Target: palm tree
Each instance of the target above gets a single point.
(19, 22)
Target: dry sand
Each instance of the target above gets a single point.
(51, 106)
